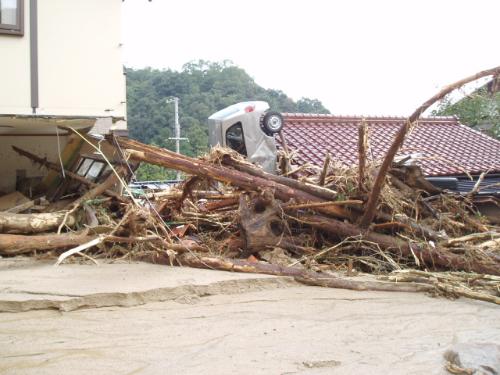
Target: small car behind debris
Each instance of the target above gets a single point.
(249, 129)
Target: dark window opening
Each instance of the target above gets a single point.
(235, 138)
(11, 17)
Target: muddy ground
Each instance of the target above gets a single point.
(273, 328)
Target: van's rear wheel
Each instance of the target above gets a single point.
(272, 123)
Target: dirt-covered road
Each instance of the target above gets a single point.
(286, 330)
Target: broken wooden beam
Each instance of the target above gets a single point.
(97, 190)
(286, 167)
(22, 207)
(362, 149)
(324, 170)
(219, 204)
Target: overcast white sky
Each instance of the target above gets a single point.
(357, 57)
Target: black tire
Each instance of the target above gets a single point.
(272, 123)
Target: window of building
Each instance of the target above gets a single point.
(90, 169)
(11, 17)
(235, 138)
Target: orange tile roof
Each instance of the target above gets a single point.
(446, 146)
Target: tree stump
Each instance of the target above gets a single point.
(260, 222)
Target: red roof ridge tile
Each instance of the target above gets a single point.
(311, 116)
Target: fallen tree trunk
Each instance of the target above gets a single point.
(33, 223)
(421, 229)
(13, 244)
(318, 191)
(169, 159)
(300, 275)
(428, 256)
(339, 283)
(196, 194)
(321, 204)
(362, 148)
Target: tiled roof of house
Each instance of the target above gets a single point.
(446, 146)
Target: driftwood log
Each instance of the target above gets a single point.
(12, 244)
(299, 274)
(317, 191)
(195, 194)
(427, 255)
(33, 223)
(15, 244)
(165, 158)
(341, 283)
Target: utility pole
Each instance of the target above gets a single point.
(177, 128)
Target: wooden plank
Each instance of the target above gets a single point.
(12, 200)
(21, 207)
(69, 155)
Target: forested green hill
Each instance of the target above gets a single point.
(203, 88)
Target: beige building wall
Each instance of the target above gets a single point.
(15, 70)
(79, 61)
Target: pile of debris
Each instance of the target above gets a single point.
(230, 215)
(382, 218)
